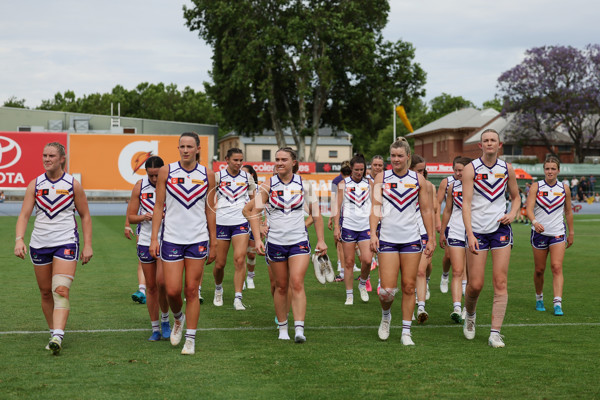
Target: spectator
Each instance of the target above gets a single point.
(574, 183)
(597, 197)
(2, 197)
(592, 184)
(566, 183)
(583, 184)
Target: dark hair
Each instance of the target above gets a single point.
(154, 162)
(232, 151)
(358, 159)
(552, 159)
(195, 136)
(425, 173)
(376, 157)
(455, 160)
(292, 154)
(462, 160)
(416, 159)
(345, 168)
(252, 172)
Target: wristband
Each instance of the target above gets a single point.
(534, 222)
(128, 228)
(18, 238)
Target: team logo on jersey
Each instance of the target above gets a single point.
(350, 189)
(61, 191)
(198, 181)
(504, 238)
(457, 194)
(302, 247)
(410, 185)
(243, 228)
(543, 194)
(177, 181)
(43, 192)
(147, 196)
(500, 176)
(480, 177)
(224, 184)
(69, 252)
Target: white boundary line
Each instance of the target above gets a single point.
(318, 328)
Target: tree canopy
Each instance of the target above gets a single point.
(556, 88)
(297, 65)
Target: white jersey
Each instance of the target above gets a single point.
(232, 195)
(422, 230)
(147, 198)
(185, 212)
(489, 190)
(549, 208)
(356, 205)
(285, 211)
(449, 180)
(456, 225)
(400, 198)
(55, 222)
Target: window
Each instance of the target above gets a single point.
(266, 155)
(333, 153)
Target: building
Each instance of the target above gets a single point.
(332, 147)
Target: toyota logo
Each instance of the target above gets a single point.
(10, 152)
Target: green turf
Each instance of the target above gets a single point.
(546, 357)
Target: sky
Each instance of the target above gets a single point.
(91, 46)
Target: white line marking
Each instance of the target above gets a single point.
(320, 328)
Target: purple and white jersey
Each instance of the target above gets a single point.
(356, 205)
(489, 189)
(55, 222)
(147, 199)
(449, 180)
(456, 225)
(422, 230)
(232, 196)
(399, 203)
(549, 208)
(185, 212)
(285, 211)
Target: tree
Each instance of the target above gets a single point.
(14, 102)
(296, 65)
(555, 88)
(495, 104)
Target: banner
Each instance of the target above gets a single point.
(21, 156)
(267, 166)
(116, 162)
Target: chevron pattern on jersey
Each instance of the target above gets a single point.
(400, 200)
(52, 203)
(185, 191)
(457, 195)
(277, 199)
(357, 197)
(232, 191)
(488, 186)
(548, 201)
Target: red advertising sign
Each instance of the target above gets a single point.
(21, 156)
(266, 167)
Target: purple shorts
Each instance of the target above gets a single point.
(171, 252)
(143, 253)
(456, 243)
(424, 239)
(542, 242)
(350, 236)
(495, 240)
(43, 256)
(278, 252)
(226, 232)
(412, 247)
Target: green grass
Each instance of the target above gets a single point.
(546, 357)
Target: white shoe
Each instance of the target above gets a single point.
(444, 285)
(406, 339)
(463, 315)
(299, 337)
(177, 331)
(238, 305)
(349, 300)
(455, 316)
(469, 328)
(218, 300)
(55, 345)
(244, 287)
(355, 268)
(495, 340)
(250, 283)
(428, 294)
(319, 268)
(189, 347)
(329, 274)
(284, 335)
(364, 295)
(384, 329)
(422, 315)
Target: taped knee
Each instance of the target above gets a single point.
(251, 261)
(61, 301)
(251, 250)
(387, 295)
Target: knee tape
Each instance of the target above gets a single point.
(251, 261)
(251, 250)
(387, 295)
(59, 300)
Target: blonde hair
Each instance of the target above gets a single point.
(401, 143)
(61, 151)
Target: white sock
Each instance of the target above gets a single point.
(386, 314)
(539, 297)
(142, 288)
(406, 326)
(155, 326)
(456, 305)
(164, 316)
(422, 305)
(557, 301)
(283, 330)
(238, 295)
(219, 288)
(190, 334)
(299, 327)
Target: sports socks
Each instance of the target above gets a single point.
(142, 288)
(362, 282)
(58, 333)
(386, 314)
(421, 305)
(155, 326)
(283, 330)
(445, 275)
(199, 291)
(350, 293)
(164, 317)
(406, 326)
(190, 334)
(238, 295)
(456, 306)
(178, 316)
(251, 275)
(557, 301)
(539, 297)
(219, 288)
(299, 328)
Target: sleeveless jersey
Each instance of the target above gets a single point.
(400, 198)
(285, 211)
(456, 224)
(185, 213)
(489, 189)
(232, 196)
(356, 205)
(422, 230)
(55, 222)
(449, 180)
(549, 208)
(147, 199)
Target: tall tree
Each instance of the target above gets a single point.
(555, 88)
(296, 65)
(14, 102)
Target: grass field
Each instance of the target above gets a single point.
(106, 354)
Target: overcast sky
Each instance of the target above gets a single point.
(91, 46)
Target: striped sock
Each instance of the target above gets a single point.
(142, 288)
(155, 326)
(557, 301)
(164, 317)
(539, 297)
(190, 334)
(238, 295)
(386, 314)
(58, 333)
(406, 327)
(350, 293)
(178, 315)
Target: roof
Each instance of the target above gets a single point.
(327, 136)
(324, 131)
(467, 118)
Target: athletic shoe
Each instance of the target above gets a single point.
(165, 330)
(428, 294)
(177, 331)
(155, 336)
(55, 344)
(384, 329)
(189, 347)
(319, 268)
(355, 268)
(444, 285)
(469, 328)
(349, 300)
(456, 317)
(364, 295)
(218, 300)
(139, 297)
(539, 305)
(339, 278)
(368, 285)
(238, 305)
(200, 298)
(48, 345)
(250, 283)
(244, 286)
(329, 274)
(299, 338)
(406, 339)
(378, 287)
(558, 311)
(373, 264)
(495, 340)
(463, 315)
(422, 316)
